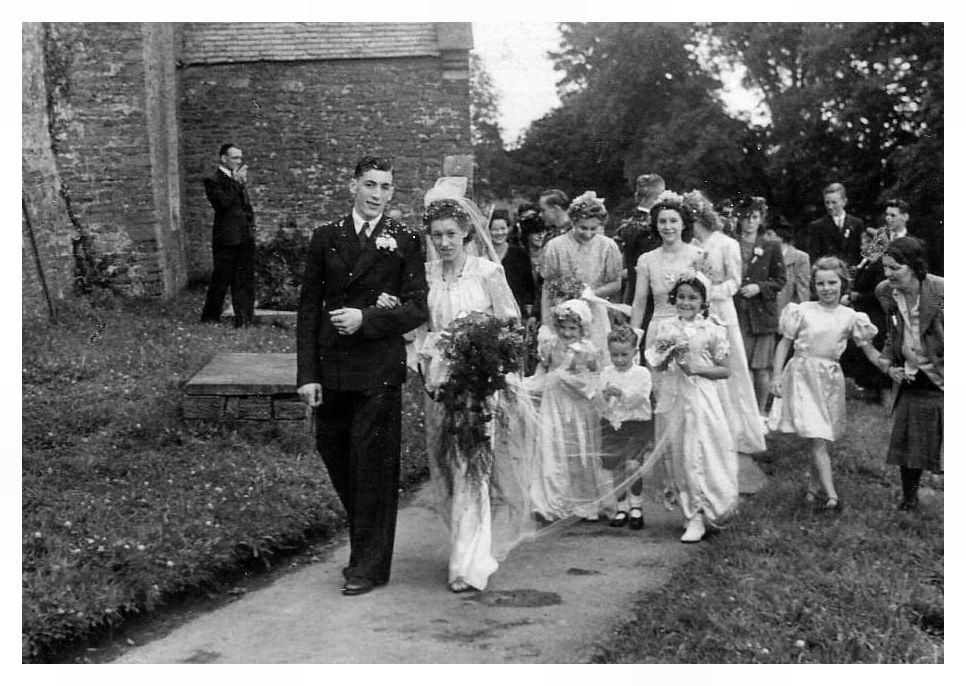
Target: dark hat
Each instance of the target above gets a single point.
(531, 224)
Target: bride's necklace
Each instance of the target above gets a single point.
(450, 275)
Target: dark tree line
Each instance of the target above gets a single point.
(859, 103)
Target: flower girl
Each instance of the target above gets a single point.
(569, 479)
(812, 385)
(703, 465)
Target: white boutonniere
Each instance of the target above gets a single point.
(759, 251)
(386, 243)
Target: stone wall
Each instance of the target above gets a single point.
(302, 126)
(111, 92)
(46, 231)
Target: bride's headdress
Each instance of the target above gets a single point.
(447, 199)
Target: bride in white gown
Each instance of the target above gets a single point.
(485, 518)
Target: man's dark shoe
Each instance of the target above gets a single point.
(909, 505)
(357, 585)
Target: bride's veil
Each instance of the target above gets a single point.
(454, 188)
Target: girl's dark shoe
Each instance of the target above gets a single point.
(619, 520)
(833, 505)
(637, 518)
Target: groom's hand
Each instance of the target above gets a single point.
(346, 320)
(311, 394)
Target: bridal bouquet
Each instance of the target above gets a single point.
(480, 350)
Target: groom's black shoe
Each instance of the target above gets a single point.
(357, 585)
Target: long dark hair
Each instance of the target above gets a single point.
(911, 252)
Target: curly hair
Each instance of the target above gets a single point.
(751, 203)
(448, 209)
(368, 162)
(587, 206)
(697, 284)
(701, 209)
(909, 251)
(673, 201)
(622, 334)
(831, 264)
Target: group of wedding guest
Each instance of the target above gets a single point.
(715, 317)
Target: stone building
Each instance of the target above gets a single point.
(122, 121)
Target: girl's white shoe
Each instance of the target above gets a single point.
(695, 531)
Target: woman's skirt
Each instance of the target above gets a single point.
(917, 430)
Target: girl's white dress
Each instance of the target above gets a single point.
(568, 478)
(470, 512)
(703, 464)
(658, 270)
(812, 383)
(720, 261)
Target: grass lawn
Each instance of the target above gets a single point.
(123, 505)
(787, 584)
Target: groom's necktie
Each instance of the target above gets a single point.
(364, 236)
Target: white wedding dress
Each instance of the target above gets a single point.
(484, 520)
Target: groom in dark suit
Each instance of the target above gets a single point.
(837, 233)
(352, 361)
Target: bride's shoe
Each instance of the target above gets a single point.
(460, 586)
(695, 531)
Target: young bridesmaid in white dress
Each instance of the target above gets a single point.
(812, 387)
(568, 476)
(703, 463)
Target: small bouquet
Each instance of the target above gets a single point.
(480, 350)
(566, 286)
(667, 349)
(875, 247)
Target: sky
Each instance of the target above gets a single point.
(515, 55)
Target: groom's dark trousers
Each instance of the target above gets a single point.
(358, 423)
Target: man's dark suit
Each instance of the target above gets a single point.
(823, 238)
(233, 250)
(358, 427)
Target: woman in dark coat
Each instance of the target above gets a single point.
(913, 358)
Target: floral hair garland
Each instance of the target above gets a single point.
(444, 209)
(587, 205)
(669, 198)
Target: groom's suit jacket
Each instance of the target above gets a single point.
(338, 273)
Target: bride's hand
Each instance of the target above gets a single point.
(386, 301)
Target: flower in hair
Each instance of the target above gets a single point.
(669, 197)
(440, 209)
(587, 204)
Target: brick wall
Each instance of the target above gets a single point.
(301, 127)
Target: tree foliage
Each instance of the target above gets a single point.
(859, 103)
(637, 99)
